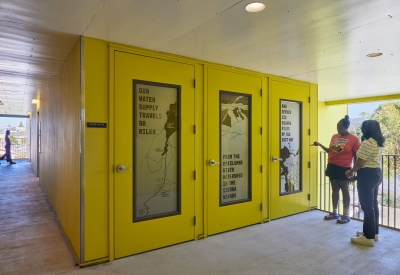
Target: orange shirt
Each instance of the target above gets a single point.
(342, 149)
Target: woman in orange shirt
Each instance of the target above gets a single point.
(341, 155)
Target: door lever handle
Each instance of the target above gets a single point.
(121, 168)
(213, 162)
(274, 159)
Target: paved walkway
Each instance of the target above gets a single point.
(32, 243)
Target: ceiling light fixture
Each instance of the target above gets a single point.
(255, 7)
(374, 54)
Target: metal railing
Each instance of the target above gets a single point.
(388, 198)
(18, 147)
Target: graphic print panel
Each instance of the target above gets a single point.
(156, 181)
(235, 184)
(290, 170)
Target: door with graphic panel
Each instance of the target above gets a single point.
(234, 150)
(154, 153)
(289, 148)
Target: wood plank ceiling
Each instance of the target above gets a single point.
(319, 41)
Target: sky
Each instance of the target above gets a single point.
(14, 122)
(356, 109)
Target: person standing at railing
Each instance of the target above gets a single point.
(369, 176)
(8, 148)
(341, 155)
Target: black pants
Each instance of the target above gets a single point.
(368, 180)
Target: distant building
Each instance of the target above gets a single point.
(15, 131)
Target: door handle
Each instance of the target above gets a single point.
(274, 159)
(121, 168)
(213, 162)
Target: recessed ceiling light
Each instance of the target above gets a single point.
(374, 54)
(255, 7)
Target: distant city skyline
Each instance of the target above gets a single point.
(13, 122)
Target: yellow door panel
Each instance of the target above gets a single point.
(289, 144)
(154, 118)
(234, 144)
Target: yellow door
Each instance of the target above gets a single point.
(234, 150)
(289, 148)
(154, 153)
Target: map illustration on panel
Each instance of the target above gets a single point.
(156, 145)
(234, 147)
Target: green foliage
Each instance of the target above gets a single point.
(13, 139)
(388, 200)
(388, 115)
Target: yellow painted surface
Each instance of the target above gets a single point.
(228, 217)
(101, 196)
(284, 205)
(96, 153)
(314, 117)
(266, 202)
(59, 163)
(135, 237)
(363, 100)
(328, 117)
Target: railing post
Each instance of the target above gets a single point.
(382, 192)
(395, 189)
(388, 203)
(320, 179)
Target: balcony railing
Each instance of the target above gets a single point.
(388, 197)
(18, 147)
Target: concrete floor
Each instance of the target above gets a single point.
(32, 243)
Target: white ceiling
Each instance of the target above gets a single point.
(319, 41)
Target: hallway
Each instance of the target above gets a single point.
(32, 243)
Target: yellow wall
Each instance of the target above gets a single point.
(314, 126)
(95, 146)
(98, 175)
(59, 160)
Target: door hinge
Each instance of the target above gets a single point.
(261, 169)
(194, 220)
(261, 130)
(261, 92)
(309, 196)
(195, 129)
(309, 164)
(309, 99)
(260, 206)
(194, 83)
(195, 175)
(309, 132)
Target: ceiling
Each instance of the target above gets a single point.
(319, 41)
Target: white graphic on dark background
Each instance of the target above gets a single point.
(234, 147)
(290, 180)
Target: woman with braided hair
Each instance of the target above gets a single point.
(341, 156)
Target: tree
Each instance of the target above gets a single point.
(388, 115)
(13, 140)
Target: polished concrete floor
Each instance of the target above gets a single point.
(32, 243)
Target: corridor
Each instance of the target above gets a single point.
(32, 243)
